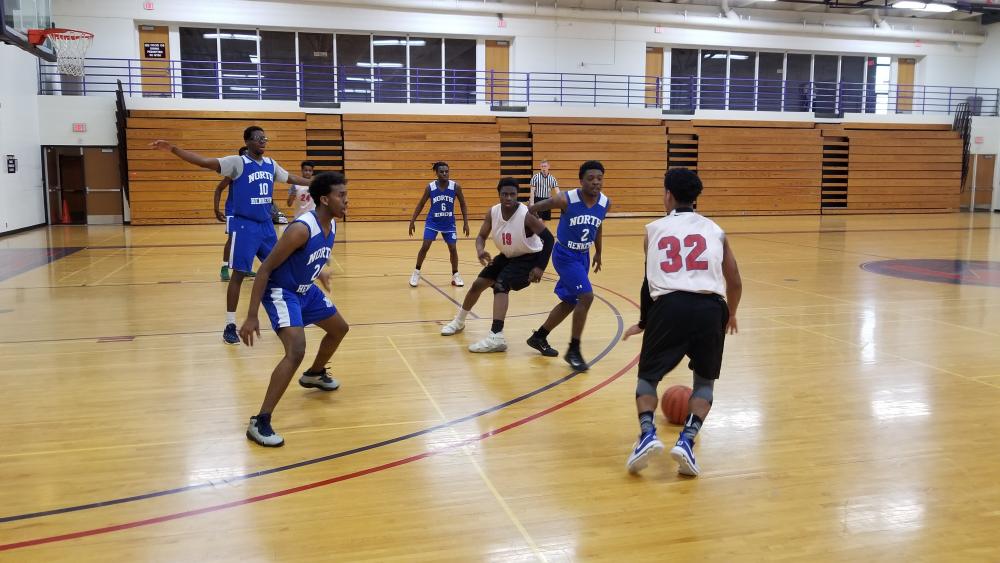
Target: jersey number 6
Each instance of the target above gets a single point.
(672, 246)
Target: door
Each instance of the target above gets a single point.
(497, 71)
(104, 185)
(72, 189)
(654, 74)
(154, 52)
(904, 85)
(984, 166)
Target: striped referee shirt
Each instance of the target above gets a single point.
(542, 185)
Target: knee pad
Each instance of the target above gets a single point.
(703, 388)
(644, 387)
(500, 287)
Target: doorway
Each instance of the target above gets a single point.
(83, 185)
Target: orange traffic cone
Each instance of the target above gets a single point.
(65, 220)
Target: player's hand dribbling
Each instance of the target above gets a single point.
(535, 275)
(731, 327)
(162, 145)
(412, 228)
(632, 331)
(220, 216)
(324, 279)
(597, 262)
(250, 327)
(485, 258)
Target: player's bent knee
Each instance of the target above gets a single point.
(585, 299)
(703, 388)
(645, 387)
(500, 287)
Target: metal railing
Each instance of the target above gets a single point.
(383, 84)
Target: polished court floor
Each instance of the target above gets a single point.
(855, 419)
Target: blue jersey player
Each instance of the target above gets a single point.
(284, 286)
(442, 194)
(253, 176)
(580, 227)
(225, 218)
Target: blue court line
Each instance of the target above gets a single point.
(446, 296)
(16, 261)
(337, 455)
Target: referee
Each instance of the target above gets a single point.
(543, 186)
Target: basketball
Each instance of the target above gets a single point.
(675, 404)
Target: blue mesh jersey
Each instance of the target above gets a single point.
(253, 190)
(302, 266)
(441, 216)
(578, 224)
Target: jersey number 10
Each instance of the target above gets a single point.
(674, 262)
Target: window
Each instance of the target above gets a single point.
(769, 77)
(683, 78)
(712, 85)
(852, 78)
(460, 71)
(240, 72)
(355, 73)
(389, 68)
(798, 89)
(742, 70)
(277, 65)
(825, 83)
(199, 62)
(425, 70)
(316, 64)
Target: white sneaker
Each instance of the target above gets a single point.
(495, 342)
(415, 278)
(455, 326)
(456, 280)
(260, 431)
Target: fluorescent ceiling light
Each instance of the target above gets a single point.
(245, 89)
(380, 65)
(924, 7)
(909, 5)
(353, 91)
(935, 7)
(723, 56)
(359, 79)
(386, 42)
(240, 36)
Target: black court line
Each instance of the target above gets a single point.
(337, 455)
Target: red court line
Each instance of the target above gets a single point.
(332, 480)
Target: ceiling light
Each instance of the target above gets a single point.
(380, 65)
(935, 7)
(241, 36)
(909, 5)
(387, 42)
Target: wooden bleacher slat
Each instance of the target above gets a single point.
(898, 126)
(616, 121)
(355, 118)
(242, 116)
(734, 123)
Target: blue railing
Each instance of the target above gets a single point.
(310, 84)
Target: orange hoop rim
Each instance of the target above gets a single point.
(37, 36)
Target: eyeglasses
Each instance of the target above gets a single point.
(259, 139)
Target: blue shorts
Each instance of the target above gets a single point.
(450, 237)
(250, 239)
(573, 268)
(287, 308)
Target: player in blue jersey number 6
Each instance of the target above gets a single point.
(284, 286)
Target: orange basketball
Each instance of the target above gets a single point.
(675, 404)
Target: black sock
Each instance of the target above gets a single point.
(691, 427)
(574, 344)
(541, 332)
(497, 327)
(646, 422)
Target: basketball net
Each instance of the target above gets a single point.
(70, 46)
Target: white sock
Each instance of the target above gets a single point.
(225, 264)
(462, 313)
(230, 318)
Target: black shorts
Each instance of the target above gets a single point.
(544, 215)
(682, 323)
(512, 273)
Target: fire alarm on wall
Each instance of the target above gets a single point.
(79, 127)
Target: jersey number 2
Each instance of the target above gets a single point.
(672, 246)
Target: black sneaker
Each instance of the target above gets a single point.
(575, 359)
(229, 336)
(542, 345)
(319, 380)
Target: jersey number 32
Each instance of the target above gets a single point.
(672, 247)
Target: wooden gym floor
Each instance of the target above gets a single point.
(855, 418)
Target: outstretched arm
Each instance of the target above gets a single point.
(549, 204)
(420, 206)
(187, 156)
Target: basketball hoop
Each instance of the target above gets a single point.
(70, 46)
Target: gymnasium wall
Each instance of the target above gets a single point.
(748, 167)
(22, 202)
(541, 44)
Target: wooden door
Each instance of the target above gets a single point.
(104, 185)
(984, 166)
(654, 76)
(154, 52)
(904, 85)
(497, 70)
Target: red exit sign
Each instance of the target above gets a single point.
(79, 127)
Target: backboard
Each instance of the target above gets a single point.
(21, 15)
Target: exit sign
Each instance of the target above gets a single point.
(148, 6)
(79, 127)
